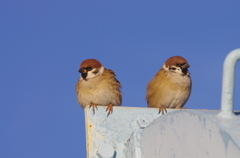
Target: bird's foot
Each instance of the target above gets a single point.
(93, 105)
(162, 109)
(109, 109)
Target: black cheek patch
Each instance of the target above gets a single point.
(84, 76)
(95, 72)
(185, 71)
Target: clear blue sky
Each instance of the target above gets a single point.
(42, 43)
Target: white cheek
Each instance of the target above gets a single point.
(178, 70)
(92, 75)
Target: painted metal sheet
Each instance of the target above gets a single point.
(126, 132)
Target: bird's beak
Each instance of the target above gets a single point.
(185, 66)
(82, 70)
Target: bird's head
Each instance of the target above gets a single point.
(90, 68)
(177, 64)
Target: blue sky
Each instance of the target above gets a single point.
(43, 42)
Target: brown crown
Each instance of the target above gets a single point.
(175, 60)
(91, 63)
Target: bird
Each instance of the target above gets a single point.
(171, 86)
(97, 86)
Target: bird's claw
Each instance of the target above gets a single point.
(93, 107)
(109, 109)
(162, 109)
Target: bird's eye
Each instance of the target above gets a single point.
(89, 68)
(179, 65)
(172, 68)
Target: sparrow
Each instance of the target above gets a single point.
(97, 86)
(171, 86)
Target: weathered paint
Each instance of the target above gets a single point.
(116, 129)
(126, 131)
(191, 133)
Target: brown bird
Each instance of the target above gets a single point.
(97, 86)
(171, 86)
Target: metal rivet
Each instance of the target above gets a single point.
(144, 121)
(105, 151)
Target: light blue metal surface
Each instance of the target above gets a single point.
(142, 132)
(105, 151)
(116, 129)
(228, 84)
(191, 133)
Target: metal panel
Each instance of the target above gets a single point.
(179, 132)
(191, 133)
(116, 129)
